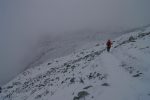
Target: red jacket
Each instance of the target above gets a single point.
(109, 43)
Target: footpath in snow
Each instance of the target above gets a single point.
(122, 86)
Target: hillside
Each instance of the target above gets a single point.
(90, 74)
(52, 47)
(56, 46)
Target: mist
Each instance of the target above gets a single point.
(23, 22)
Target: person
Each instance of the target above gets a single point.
(108, 44)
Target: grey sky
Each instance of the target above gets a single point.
(23, 21)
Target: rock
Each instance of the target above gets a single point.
(105, 84)
(88, 87)
(72, 80)
(136, 75)
(48, 63)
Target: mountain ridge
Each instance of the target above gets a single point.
(87, 74)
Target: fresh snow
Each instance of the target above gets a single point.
(90, 74)
(121, 83)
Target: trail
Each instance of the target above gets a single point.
(121, 86)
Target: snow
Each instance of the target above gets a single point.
(120, 88)
(90, 74)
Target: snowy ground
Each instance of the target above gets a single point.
(90, 74)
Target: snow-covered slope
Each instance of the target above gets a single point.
(90, 74)
(52, 47)
(55, 46)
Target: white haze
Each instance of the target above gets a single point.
(22, 22)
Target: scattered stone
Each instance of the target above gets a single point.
(82, 94)
(137, 75)
(105, 84)
(81, 80)
(62, 82)
(9, 87)
(131, 39)
(88, 87)
(48, 63)
(76, 98)
(72, 80)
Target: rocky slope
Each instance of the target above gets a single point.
(90, 74)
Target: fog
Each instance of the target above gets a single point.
(22, 22)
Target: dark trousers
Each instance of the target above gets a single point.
(108, 49)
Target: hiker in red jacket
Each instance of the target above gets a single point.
(108, 44)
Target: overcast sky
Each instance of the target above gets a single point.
(22, 21)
